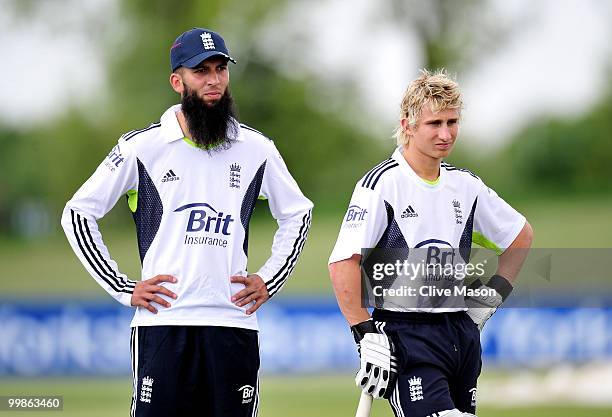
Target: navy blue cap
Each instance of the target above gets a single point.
(196, 45)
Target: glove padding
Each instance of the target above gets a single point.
(482, 307)
(378, 372)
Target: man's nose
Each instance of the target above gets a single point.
(445, 133)
(213, 79)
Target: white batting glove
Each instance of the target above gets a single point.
(482, 307)
(378, 371)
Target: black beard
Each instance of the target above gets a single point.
(211, 126)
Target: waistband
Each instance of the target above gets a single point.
(415, 317)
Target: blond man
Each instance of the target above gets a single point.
(421, 353)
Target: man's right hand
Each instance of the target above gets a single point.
(145, 292)
(378, 372)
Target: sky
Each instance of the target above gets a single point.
(558, 63)
(53, 58)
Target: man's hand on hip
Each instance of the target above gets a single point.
(254, 290)
(145, 292)
(494, 293)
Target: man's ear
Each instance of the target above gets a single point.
(176, 81)
(406, 126)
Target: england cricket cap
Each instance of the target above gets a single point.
(196, 45)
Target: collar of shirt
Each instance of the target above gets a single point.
(171, 129)
(405, 167)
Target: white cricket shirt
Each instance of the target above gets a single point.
(192, 210)
(392, 207)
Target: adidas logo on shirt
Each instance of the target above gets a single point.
(170, 176)
(409, 212)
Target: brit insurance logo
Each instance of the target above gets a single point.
(473, 402)
(114, 158)
(247, 393)
(438, 251)
(355, 216)
(443, 261)
(206, 225)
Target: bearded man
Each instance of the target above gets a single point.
(191, 182)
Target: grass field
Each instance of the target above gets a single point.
(48, 267)
(320, 396)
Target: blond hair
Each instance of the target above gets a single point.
(437, 89)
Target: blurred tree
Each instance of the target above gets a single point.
(564, 155)
(453, 34)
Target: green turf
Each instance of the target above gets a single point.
(570, 222)
(310, 396)
(48, 267)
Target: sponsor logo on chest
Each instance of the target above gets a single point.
(206, 225)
